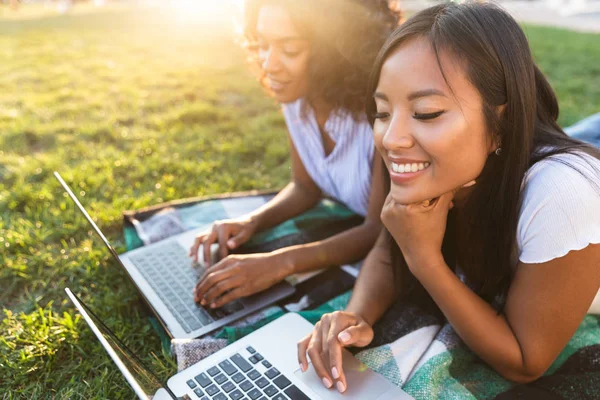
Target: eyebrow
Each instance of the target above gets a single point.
(425, 93)
(378, 95)
(282, 39)
(413, 95)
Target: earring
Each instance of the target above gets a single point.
(498, 151)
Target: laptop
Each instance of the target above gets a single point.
(165, 277)
(262, 365)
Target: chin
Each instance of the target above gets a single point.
(284, 98)
(402, 195)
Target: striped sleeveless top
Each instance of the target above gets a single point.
(345, 174)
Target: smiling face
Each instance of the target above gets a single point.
(433, 139)
(283, 54)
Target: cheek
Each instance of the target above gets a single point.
(378, 134)
(458, 150)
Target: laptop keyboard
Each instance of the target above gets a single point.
(245, 375)
(167, 268)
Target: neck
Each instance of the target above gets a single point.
(321, 110)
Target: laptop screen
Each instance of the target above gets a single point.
(142, 379)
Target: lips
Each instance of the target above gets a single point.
(405, 170)
(277, 86)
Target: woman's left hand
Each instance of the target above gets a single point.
(418, 228)
(240, 276)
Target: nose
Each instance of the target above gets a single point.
(397, 135)
(270, 61)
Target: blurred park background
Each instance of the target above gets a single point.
(138, 103)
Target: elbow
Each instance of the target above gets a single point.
(524, 374)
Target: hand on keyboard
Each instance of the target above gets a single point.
(240, 276)
(229, 234)
(324, 345)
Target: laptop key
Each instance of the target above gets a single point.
(228, 387)
(203, 380)
(241, 362)
(251, 349)
(228, 367)
(237, 378)
(194, 324)
(259, 357)
(279, 396)
(253, 359)
(270, 390)
(282, 382)
(266, 364)
(191, 383)
(220, 396)
(199, 392)
(220, 378)
(236, 394)
(213, 371)
(272, 373)
(246, 386)
(254, 394)
(262, 382)
(212, 390)
(254, 374)
(295, 394)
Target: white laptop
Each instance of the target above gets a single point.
(260, 366)
(165, 277)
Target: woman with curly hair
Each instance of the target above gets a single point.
(314, 57)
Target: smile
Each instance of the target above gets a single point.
(409, 168)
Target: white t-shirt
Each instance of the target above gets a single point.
(560, 210)
(344, 174)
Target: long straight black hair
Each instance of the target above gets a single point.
(490, 45)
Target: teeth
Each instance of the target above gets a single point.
(414, 167)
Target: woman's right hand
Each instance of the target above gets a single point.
(229, 233)
(324, 345)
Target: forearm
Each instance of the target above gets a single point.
(344, 248)
(288, 203)
(374, 292)
(488, 334)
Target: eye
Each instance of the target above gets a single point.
(381, 115)
(428, 116)
(291, 53)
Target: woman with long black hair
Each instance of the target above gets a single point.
(493, 212)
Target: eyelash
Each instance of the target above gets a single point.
(420, 117)
(265, 47)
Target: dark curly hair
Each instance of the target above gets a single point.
(345, 37)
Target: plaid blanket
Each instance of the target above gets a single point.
(414, 348)
(420, 352)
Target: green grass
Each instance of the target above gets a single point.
(136, 108)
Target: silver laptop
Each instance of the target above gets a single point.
(260, 366)
(165, 277)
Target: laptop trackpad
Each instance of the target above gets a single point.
(362, 382)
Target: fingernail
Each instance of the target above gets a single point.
(327, 383)
(213, 305)
(340, 387)
(334, 372)
(344, 336)
(203, 302)
(231, 243)
(302, 367)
